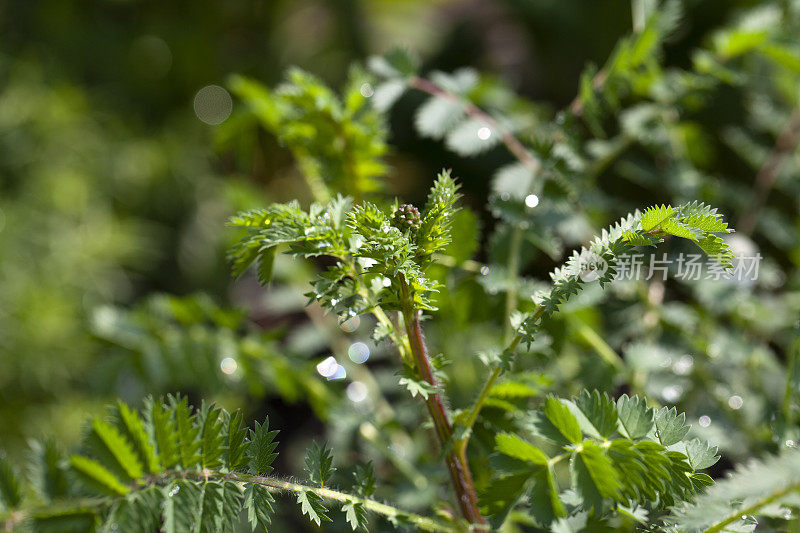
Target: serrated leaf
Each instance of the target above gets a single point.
(113, 450)
(138, 511)
(355, 514)
(515, 447)
(319, 464)
(634, 416)
(593, 476)
(707, 223)
(135, 432)
(236, 456)
(181, 511)
(701, 454)
(501, 495)
(211, 507)
(266, 264)
(673, 227)
(261, 451)
(599, 411)
(188, 432)
(231, 506)
(471, 137)
(164, 433)
(670, 426)
(365, 480)
(545, 503)
(212, 439)
(258, 502)
(311, 505)
(437, 116)
(655, 215)
(562, 419)
(97, 476)
(417, 387)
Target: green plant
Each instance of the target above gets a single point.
(502, 351)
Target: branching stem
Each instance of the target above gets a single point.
(456, 458)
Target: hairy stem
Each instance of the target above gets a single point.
(474, 411)
(421, 522)
(456, 458)
(752, 509)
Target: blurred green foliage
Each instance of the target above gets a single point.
(113, 192)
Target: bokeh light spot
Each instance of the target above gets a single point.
(228, 365)
(358, 352)
(213, 104)
(357, 392)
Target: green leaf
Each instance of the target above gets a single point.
(673, 227)
(593, 476)
(97, 476)
(417, 387)
(562, 418)
(138, 511)
(73, 520)
(181, 511)
(164, 432)
(717, 249)
(266, 264)
(48, 474)
(258, 503)
(319, 461)
(135, 432)
(469, 137)
(670, 426)
(212, 439)
(708, 223)
(501, 495)
(262, 448)
(365, 480)
(545, 503)
(599, 411)
(211, 507)
(515, 447)
(113, 450)
(188, 432)
(701, 454)
(634, 416)
(311, 505)
(355, 514)
(437, 116)
(231, 505)
(236, 456)
(397, 62)
(653, 216)
(10, 490)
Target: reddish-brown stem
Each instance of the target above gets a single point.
(456, 458)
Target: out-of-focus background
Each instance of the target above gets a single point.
(122, 154)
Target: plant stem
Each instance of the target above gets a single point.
(751, 509)
(472, 414)
(422, 522)
(456, 458)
